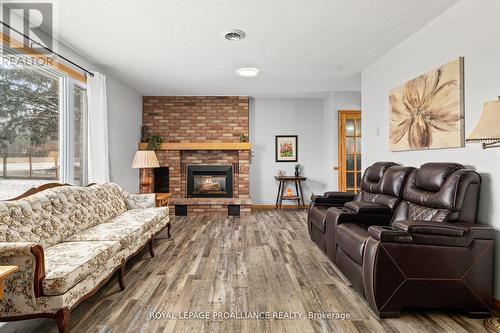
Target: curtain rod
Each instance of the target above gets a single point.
(46, 48)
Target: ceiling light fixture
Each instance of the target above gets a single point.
(234, 35)
(248, 72)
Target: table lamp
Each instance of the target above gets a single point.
(145, 160)
(487, 130)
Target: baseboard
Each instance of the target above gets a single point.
(263, 207)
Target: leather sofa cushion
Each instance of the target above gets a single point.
(375, 172)
(457, 186)
(383, 183)
(317, 216)
(351, 238)
(351, 270)
(68, 263)
(431, 176)
(361, 207)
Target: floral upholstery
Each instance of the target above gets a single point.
(85, 233)
(135, 200)
(48, 304)
(43, 217)
(125, 228)
(19, 294)
(68, 263)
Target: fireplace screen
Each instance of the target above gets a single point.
(209, 185)
(210, 181)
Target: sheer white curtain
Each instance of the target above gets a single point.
(98, 129)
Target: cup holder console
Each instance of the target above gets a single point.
(389, 228)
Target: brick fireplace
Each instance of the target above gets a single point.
(197, 131)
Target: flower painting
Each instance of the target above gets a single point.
(427, 112)
(286, 148)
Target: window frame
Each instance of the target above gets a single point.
(85, 151)
(67, 86)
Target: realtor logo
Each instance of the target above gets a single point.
(28, 19)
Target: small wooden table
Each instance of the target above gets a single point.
(162, 199)
(5, 273)
(299, 196)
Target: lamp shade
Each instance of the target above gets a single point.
(487, 130)
(145, 159)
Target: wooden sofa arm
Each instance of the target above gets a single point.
(30, 259)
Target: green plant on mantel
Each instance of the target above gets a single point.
(154, 142)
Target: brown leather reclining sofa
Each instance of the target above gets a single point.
(424, 250)
(381, 186)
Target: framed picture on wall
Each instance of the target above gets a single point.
(428, 111)
(286, 148)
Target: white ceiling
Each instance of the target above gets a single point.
(176, 47)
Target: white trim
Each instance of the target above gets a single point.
(67, 130)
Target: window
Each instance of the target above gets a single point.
(80, 136)
(37, 108)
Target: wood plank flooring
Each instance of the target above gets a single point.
(264, 262)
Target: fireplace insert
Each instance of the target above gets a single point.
(209, 181)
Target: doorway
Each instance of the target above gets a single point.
(349, 151)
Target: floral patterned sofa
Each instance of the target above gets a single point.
(69, 240)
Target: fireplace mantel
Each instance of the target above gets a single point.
(201, 146)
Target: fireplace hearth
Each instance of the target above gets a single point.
(209, 181)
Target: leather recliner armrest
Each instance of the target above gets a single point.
(432, 228)
(389, 234)
(336, 199)
(455, 229)
(432, 233)
(363, 207)
(348, 196)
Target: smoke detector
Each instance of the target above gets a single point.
(234, 35)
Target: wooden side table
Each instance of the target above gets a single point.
(162, 199)
(299, 196)
(5, 273)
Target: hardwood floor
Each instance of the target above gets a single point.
(264, 262)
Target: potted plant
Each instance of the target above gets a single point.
(154, 142)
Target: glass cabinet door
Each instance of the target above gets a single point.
(349, 151)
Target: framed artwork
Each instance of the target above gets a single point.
(428, 111)
(286, 148)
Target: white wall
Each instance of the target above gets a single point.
(285, 116)
(314, 120)
(469, 29)
(332, 103)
